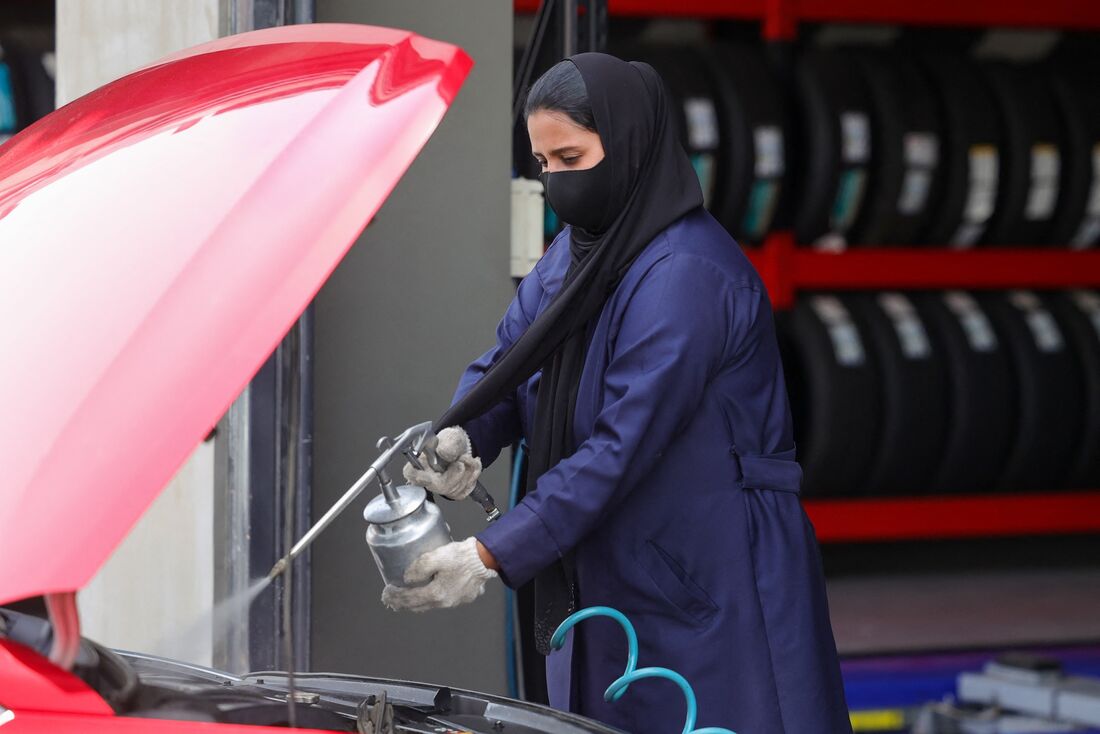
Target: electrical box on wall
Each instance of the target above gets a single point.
(528, 211)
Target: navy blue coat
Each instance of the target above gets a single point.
(681, 500)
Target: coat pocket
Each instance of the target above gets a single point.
(675, 584)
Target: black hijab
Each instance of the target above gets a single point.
(653, 185)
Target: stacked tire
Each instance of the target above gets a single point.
(732, 121)
(945, 392)
(882, 146)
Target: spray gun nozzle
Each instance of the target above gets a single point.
(277, 569)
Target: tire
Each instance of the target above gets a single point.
(688, 76)
(1033, 154)
(755, 132)
(1076, 223)
(913, 385)
(1078, 312)
(970, 154)
(907, 131)
(1048, 421)
(835, 146)
(981, 392)
(833, 382)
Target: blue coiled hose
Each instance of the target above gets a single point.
(619, 687)
(616, 690)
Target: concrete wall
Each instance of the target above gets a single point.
(417, 298)
(101, 40)
(155, 593)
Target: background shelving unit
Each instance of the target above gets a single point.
(781, 17)
(787, 269)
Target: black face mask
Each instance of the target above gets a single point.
(581, 198)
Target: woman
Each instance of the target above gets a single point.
(639, 360)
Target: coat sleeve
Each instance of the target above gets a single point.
(500, 426)
(678, 327)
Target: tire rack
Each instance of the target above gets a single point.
(787, 269)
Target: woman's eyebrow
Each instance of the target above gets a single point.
(566, 149)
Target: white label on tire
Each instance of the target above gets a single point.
(702, 123)
(849, 197)
(967, 235)
(703, 163)
(922, 150)
(768, 144)
(975, 324)
(922, 154)
(847, 345)
(1046, 165)
(761, 208)
(981, 196)
(1089, 303)
(1044, 329)
(856, 134)
(907, 325)
(914, 191)
(1089, 230)
(984, 170)
(1088, 234)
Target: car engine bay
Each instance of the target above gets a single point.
(145, 686)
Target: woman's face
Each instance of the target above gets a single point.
(559, 144)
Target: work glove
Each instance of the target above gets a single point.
(457, 481)
(454, 574)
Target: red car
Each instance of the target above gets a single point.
(156, 242)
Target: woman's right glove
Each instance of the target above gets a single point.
(452, 574)
(458, 479)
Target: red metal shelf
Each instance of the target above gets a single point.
(1025, 13)
(1082, 14)
(787, 269)
(743, 9)
(970, 516)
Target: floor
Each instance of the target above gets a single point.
(887, 613)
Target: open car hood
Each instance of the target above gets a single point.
(157, 239)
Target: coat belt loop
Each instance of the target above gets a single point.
(778, 472)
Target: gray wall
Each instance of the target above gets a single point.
(132, 603)
(415, 300)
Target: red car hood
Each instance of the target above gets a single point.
(157, 238)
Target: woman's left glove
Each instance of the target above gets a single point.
(457, 481)
(455, 575)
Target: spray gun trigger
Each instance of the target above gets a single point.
(413, 459)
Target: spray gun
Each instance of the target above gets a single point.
(425, 446)
(402, 524)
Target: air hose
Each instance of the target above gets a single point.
(633, 674)
(510, 653)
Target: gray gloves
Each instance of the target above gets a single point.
(454, 574)
(458, 480)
